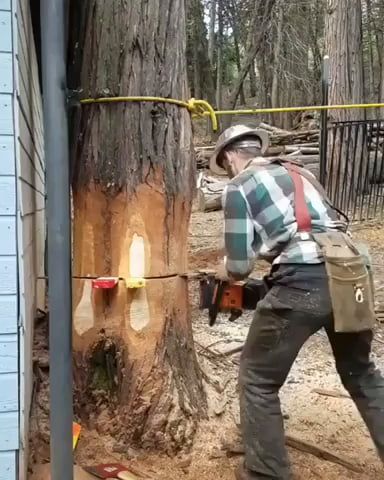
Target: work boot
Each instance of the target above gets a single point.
(242, 473)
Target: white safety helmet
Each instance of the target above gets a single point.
(232, 134)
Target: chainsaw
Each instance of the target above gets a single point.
(220, 296)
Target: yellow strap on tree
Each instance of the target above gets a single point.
(195, 107)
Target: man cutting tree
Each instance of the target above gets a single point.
(277, 211)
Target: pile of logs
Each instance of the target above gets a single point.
(209, 192)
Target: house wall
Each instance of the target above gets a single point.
(22, 229)
(30, 170)
(9, 381)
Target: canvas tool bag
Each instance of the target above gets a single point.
(349, 274)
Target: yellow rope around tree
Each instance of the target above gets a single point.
(201, 108)
(195, 107)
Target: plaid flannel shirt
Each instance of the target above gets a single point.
(260, 219)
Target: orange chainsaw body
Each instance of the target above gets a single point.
(232, 297)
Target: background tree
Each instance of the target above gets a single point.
(345, 49)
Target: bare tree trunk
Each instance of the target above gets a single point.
(252, 80)
(315, 34)
(259, 26)
(379, 44)
(219, 62)
(197, 90)
(344, 46)
(211, 36)
(370, 48)
(136, 372)
(238, 65)
(275, 94)
(235, 27)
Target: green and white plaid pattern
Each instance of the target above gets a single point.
(260, 219)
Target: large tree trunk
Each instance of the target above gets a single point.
(344, 46)
(136, 373)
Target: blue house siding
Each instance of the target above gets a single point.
(9, 355)
(30, 174)
(8, 465)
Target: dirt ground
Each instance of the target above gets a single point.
(328, 422)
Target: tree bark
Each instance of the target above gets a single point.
(199, 66)
(219, 61)
(344, 46)
(370, 49)
(211, 36)
(379, 43)
(252, 80)
(275, 94)
(235, 27)
(136, 372)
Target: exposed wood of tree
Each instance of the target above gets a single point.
(133, 182)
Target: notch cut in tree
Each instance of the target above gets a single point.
(132, 184)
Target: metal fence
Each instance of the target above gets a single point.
(354, 168)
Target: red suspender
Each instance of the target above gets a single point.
(303, 217)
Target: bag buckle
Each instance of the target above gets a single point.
(359, 295)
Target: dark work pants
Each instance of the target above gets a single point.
(298, 305)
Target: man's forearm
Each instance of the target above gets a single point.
(239, 269)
